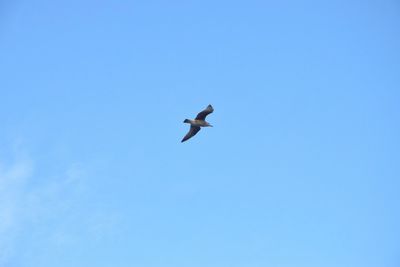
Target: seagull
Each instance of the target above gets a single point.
(199, 121)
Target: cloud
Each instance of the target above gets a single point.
(13, 180)
(55, 211)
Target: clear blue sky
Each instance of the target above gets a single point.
(301, 168)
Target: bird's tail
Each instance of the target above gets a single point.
(186, 121)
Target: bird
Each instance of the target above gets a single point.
(199, 121)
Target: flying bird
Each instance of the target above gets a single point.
(199, 121)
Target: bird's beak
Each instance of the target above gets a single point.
(211, 125)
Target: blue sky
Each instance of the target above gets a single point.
(301, 168)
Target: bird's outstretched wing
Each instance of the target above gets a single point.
(202, 115)
(192, 132)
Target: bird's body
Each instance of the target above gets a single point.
(198, 122)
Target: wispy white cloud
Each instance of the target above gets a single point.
(57, 209)
(13, 179)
